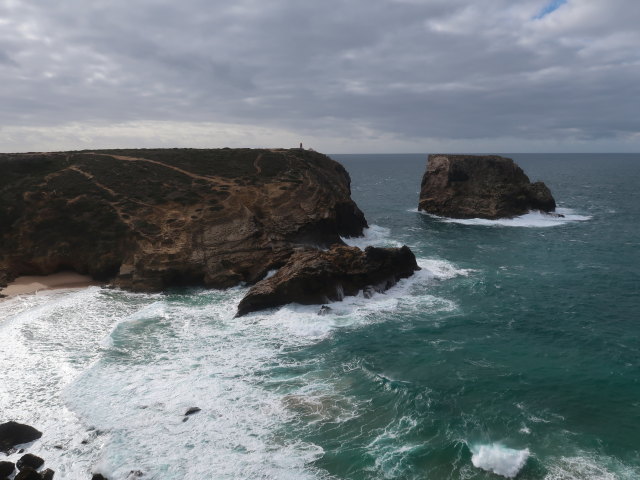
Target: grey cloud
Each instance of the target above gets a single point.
(441, 69)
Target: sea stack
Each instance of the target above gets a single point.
(147, 219)
(480, 186)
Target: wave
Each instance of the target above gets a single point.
(409, 294)
(499, 459)
(176, 352)
(534, 219)
(109, 374)
(375, 235)
(590, 466)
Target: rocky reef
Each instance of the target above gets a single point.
(147, 219)
(472, 186)
(313, 277)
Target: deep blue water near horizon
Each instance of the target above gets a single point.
(515, 350)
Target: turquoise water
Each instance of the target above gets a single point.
(515, 350)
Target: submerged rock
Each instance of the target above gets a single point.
(150, 219)
(47, 474)
(6, 468)
(29, 460)
(192, 410)
(14, 433)
(317, 277)
(472, 186)
(28, 473)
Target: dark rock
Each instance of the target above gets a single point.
(13, 433)
(192, 410)
(6, 468)
(153, 218)
(316, 277)
(470, 186)
(324, 310)
(98, 476)
(47, 474)
(29, 460)
(28, 473)
(368, 291)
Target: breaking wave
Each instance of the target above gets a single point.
(533, 219)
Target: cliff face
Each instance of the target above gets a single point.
(471, 186)
(149, 219)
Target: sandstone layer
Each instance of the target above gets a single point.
(471, 186)
(313, 277)
(149, 219)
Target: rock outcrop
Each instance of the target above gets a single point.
(149, 219)
(315, 277)
(470, 186)
(14, 433)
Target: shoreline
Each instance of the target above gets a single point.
(32, 284)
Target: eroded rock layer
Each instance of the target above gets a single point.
(149, 219)
(314, 277)
(472, 186)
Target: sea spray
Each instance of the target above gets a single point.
(499, 459)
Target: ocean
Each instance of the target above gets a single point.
(514, 352)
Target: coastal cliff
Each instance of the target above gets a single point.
(147, 219)
(474, 186)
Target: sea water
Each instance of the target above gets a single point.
(514, 352)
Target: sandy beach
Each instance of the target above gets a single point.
(34, 284)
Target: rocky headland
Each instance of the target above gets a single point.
(474, 186)
(148, 219)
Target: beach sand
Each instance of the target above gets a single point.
(34, 284)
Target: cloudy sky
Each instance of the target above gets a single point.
(340, 75)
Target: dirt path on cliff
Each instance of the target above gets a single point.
(256, 166)
(218, 180)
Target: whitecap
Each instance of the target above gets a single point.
(375, 235)
(303, 321)
(533, 219)
(582, 467)
(499, 459)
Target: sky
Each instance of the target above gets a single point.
(341, 76)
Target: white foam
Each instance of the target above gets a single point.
(534, 219)
(409, 294)
(169, 356)
(592, 467)
(499, 459)
(376, 236)
(51, 339)
(441, 269)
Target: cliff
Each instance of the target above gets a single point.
(149, 219)
(472, 186)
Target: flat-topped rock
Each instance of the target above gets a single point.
(317, 277)
(147, 219)
(475, 186)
